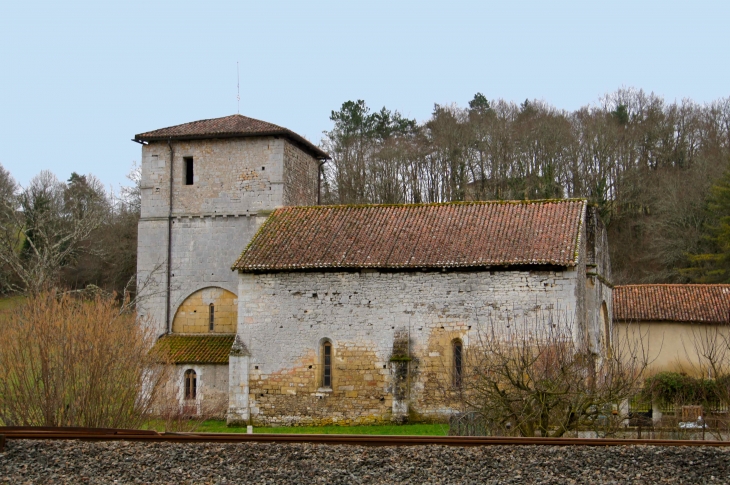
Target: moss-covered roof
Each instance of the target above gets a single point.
(194, 349)
(465, 234)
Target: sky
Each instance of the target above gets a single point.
(78, 79)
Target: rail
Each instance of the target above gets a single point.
(107, 434)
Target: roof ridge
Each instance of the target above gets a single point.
(210, 119)
(436, 204)
(231, 126)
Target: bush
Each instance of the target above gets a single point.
(75, 361)
(676, 388)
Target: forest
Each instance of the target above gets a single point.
(658, 172)
(68, 235)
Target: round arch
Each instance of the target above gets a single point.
(208, 310)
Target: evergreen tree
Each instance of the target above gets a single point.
(713, 265)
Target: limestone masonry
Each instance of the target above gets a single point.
(342, 315)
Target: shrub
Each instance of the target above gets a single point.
(677, 388)
(75, 361)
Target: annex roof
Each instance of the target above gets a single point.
(193, 349)
(678, 303)
(234, 126)
(463, 234)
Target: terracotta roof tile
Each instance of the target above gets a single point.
(194, 349)
(465, 234)
(228, 127)
(679, 303)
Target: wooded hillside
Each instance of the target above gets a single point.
(648, 164)
(658, 171)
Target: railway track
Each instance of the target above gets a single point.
(106, 434)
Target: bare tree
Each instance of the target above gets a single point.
(535, 377)
(42, 228)
(108, 256)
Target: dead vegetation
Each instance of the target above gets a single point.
(75, 360)
(537, 378)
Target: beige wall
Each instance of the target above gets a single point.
(194, 313)
(669, 346)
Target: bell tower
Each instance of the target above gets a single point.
(206, 188)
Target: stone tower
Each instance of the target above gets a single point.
(206, 188)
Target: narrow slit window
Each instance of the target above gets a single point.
(188, 170)
(191, 384)
(458, 362)
(211, 317)
(327, 365)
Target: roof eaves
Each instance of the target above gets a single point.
(300, 141)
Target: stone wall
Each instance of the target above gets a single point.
(151, 272)
(212, 388)
(599, 288)
(237, 183)
(285, 317)
(203, 251)
(301, 172)
(231, 176)
(193, 315)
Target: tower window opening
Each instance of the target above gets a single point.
(188, 170)
(211, 317)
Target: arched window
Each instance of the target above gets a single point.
(191, 384)
(211, 317)
(327, 364)
(458, 364)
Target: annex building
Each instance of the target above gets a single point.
(677, 326)
(297, 313)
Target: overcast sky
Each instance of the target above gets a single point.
(78, 79)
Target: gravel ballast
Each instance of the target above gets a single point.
(119, 462)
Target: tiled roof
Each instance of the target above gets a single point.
(228, 127)
(679, 303)
(194, 349)
(465, 234)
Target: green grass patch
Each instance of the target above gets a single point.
(10, 302)
(219, 426)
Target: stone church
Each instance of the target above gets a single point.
(297, 313)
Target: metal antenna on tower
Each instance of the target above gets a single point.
(238, 89)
